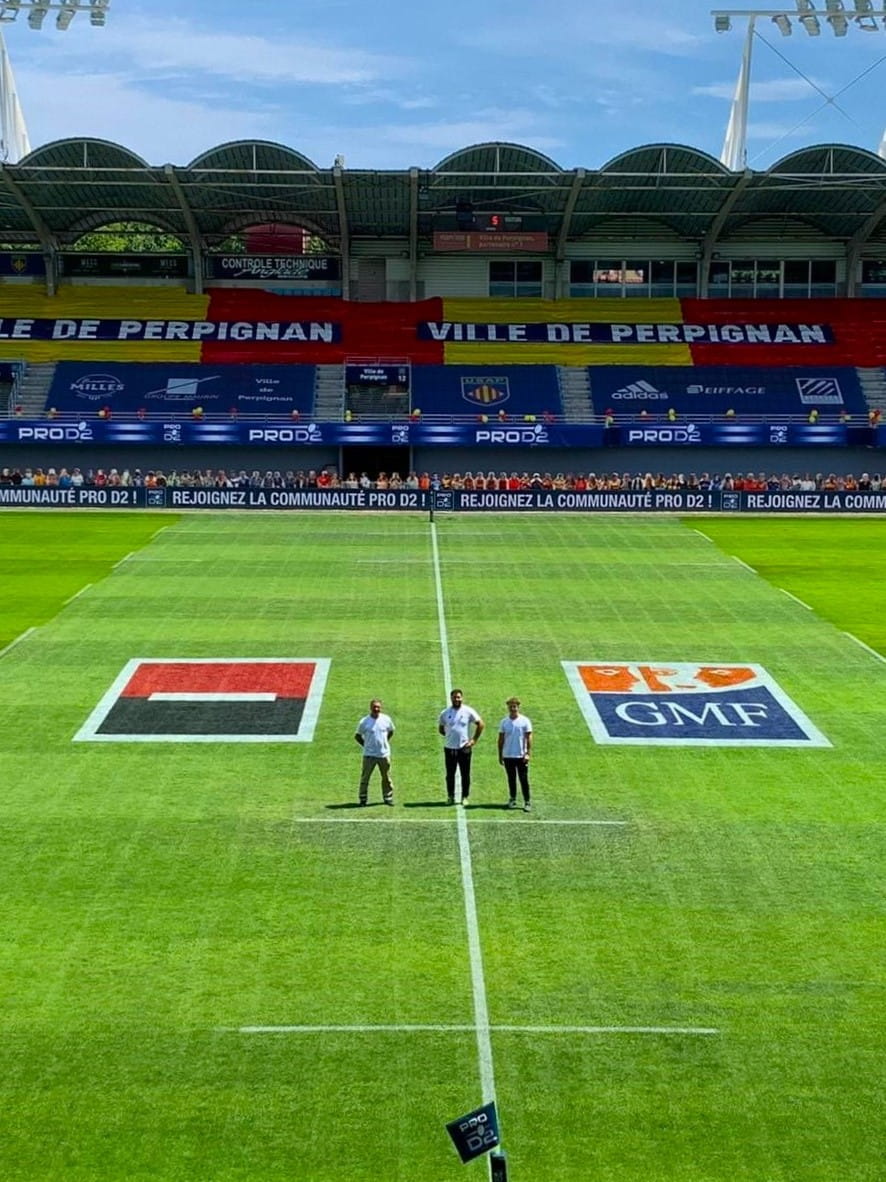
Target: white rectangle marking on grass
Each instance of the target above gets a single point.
(790, 595)
(705, 536)
(126, 558)
(742, 562)
(17, 640)
(77, 594)
(867, 648)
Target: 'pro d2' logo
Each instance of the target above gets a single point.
(685, 703)
(210, 700)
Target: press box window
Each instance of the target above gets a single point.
(515, 277)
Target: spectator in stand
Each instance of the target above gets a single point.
(411, 482)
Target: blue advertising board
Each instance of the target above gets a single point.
(713, 390)
(174, 389)
(655, 501)
(220, 429)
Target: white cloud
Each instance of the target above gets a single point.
(553, 34)
(157, 128)
(776, 90)
(174, 46)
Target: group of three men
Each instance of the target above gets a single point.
(461, 727)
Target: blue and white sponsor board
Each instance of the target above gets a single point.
(659, 501)
(174, 389)
(688, 704)
(706, 390)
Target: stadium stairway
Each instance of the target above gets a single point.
(873, 386)
(33, 388)
(575, 393)
(329, 393)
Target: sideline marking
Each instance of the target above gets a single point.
(131, 554)
(478, 984)
(77, 595)
(790, 595)
(705, 536)
(742, 562)
(867, 648)
(454, 1028)
(17, 640)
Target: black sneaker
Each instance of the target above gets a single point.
(512, 804)
(450, 800)
(390, 801)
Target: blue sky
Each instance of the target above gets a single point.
(400, 83)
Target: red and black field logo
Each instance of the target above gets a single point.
(210, 700)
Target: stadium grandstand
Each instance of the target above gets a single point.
(379, 320)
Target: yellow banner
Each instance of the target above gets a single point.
(614, 311)
(102, 303)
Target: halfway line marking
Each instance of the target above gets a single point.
(790, 595)
(518, 820)
(478, 983)
(76, 594)
(742, 562)
(17, 640)
(867, 648)
(455, 1028)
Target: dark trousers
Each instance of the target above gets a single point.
(458, 760)
(517, 769)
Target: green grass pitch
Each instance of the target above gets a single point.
(158, 898)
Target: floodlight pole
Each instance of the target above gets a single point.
(14, 142)
(735, 145)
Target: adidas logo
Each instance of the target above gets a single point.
(637, 390)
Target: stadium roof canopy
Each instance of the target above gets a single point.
(654, 192)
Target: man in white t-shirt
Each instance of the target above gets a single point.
(373, 734)
(514, 750)
(454, 724)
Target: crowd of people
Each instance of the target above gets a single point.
(460, 481)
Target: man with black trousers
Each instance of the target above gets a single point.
(454, 724)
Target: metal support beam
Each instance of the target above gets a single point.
(194, 235)
(857, 243)
(344, 230)
(47, 239)
(578, 180)
(712, 235)
(413, 235)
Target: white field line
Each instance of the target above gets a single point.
(131, 554)
(742, 562)
(867, 648)
(790, 595)
(454, 1028)
(77, 594)
(162, 696)
(17, 640)
(517, 819)
(158, 532)
(478, 983)
(705, 536)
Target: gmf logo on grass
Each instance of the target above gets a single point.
(688, 704)
(210, 700)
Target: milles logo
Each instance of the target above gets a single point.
(241, 700)
(97, 385)
(688, 704)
